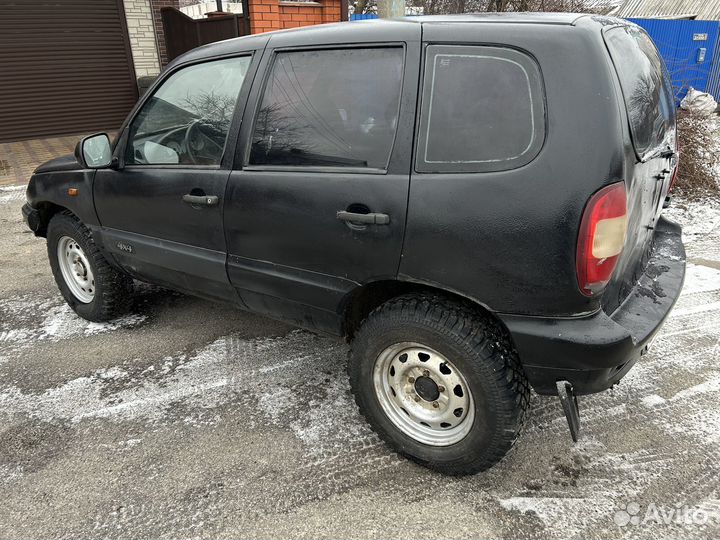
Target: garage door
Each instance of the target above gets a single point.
(65, 67)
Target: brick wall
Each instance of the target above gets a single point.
(141, 32)
(156, 5)
(267, 15)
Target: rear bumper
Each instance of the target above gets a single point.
(595, 352)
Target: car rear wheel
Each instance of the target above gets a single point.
(90, 285)
(440, 382)
(423, 394)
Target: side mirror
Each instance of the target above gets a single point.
(94, 151)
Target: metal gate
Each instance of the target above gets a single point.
(65, 68)
(183, 33)
(690, 50)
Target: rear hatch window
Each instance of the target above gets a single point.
(646, 89)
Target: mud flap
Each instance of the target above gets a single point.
(569, 403)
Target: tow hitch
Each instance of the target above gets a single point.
(569, 403)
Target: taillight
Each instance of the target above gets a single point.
(602, 237)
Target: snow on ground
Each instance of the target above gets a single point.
(698, 219)
(56, 322)
(12, 193)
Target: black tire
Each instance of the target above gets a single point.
(113, 289)
(480, 349)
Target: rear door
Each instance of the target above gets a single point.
(648, 98)
(319, 204)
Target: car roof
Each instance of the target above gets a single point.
(371, 30)
(494, 17)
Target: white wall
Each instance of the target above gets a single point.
(198, 11)
(142, 37)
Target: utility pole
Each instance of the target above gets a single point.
(390, 8)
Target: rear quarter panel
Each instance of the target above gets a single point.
(508, 239)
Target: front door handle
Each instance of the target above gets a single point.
(366, 219)
(200, 200)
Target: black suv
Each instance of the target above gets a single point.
(472, 201)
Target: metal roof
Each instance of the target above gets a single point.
(706, 10)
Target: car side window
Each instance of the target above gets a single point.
(331, 108)
(186, 120)
(483, 109)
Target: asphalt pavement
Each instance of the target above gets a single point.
(189, 419)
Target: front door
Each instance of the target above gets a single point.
(161, 212)
(319, 205)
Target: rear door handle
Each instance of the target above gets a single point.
(200, 200)
(369, 219)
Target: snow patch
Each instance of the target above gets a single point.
(711, 385)
(306, 393)
(88, 397)
(700, 278)
(12, 193)
(19, 328)
(697, 219)
(556, 512)
(652, 400)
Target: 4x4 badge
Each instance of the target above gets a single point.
(125, 247)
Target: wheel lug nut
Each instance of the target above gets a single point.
(411, 380)
(435, 404)
(426, 373)
(417, 398)
(441, 388)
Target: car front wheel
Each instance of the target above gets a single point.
(90, 285)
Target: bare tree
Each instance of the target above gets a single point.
(390, 8)
(443, 7)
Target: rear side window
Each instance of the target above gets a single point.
(646, 89)
(483, 109)
(331, 108)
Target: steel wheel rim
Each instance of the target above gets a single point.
(76, 270)
(400, 379)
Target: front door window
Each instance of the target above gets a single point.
(186, 121)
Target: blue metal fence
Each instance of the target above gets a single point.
(690, 50)
(363, 16)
